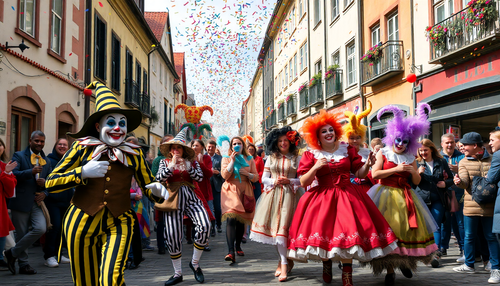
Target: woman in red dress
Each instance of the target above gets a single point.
(335, 220)
(7, 184)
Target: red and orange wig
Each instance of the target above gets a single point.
(310, 128)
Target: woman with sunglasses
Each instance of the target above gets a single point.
(403, 209)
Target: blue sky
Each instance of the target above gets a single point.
(221, 39)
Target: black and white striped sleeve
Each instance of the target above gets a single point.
(164, 171)
(195, 172)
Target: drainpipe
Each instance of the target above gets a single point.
(149, 88)
(88, 43)
(326, 50)
(360, 70)
(413, 56)
(308, 49)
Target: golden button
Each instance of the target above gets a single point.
(77, 180)
(105, 203)
(109, 168)
(108, 179)
(106, 192)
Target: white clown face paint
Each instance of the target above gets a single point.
(113, 129)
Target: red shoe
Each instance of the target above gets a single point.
(327, 271)
(230, 257)
(240, 253)
(347, 276)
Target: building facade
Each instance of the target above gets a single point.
(42, 87)
(180, 88)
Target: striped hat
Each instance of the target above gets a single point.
(180, 139)
(106, 103)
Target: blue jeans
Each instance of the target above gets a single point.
(437, 211)
(53, 236)
(456, 221)
(2, 246)
(471, 225)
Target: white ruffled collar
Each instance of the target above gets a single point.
(364, 153)
(395, 158)
(336, 156)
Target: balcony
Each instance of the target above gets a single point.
(132, 94)
(271, 120)
(290, 107)
(316, 95)
(460, 37)
(281, 112)
(334, 84)
(303, 99)
(146, 105)
(389, 64)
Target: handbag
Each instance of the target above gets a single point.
(482, 191)
(172, 203)
(248, 203)
(453, 202)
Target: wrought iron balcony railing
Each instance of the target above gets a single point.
(290, 107)
(146, 104)
(281, 113)
(304, 98)
(132, 94)
(463, 33)
(389, 63)
(334, 84)
(316, 95)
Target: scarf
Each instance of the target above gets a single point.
(114, 152)
(239, 163)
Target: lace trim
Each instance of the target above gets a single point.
(273, 240)
(343, 237)
(336, 156)
(364, 153)
(391, 156)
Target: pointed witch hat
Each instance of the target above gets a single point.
(354, 126)
(180, 139)
(106, 103)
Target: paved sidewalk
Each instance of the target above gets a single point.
(256, 267)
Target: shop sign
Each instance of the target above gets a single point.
(477, 68)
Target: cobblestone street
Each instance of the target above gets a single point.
(256, 267)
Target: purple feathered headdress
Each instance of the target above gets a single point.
(410, 127)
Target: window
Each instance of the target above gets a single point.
(153, 64)
(335, 8)
(27, 17)
(393, 28)
(336, 58)
(115, 62)
(303, 57)
(161, 72)
(442, 10)
(290, 72)
(295, 66)
(145, 82)
(351, 64)
(301, 9)
(347, 3)
(375, 35)
(286, 76)
(129, 68)
(317, 11)
(292, 20)
(56, 31)
(317, 67)
(138, 70)
(100, 48)
(166, 79)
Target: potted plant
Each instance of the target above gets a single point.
(315, 80)
(330, 70)
(373, 55)
(437, 36)
(289, 97)
(302, 86)
(481, 12)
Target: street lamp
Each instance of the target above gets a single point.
(21, 46)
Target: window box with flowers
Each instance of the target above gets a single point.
(303, 96)
(271, 120)
(333, 81)
(290, 105)
(481, 12)
(437, 36)
(315, 90)
(373, 55)
(281, 111)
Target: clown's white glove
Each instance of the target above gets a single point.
(158, 190)
(95, 169)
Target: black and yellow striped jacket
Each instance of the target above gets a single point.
(112, 191)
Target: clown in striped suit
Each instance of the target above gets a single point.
(98, 225)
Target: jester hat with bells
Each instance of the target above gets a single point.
(180, 139)
(354, 126)
(106, 103)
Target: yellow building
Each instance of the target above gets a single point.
(118, 48)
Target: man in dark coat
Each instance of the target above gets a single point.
(216, 182)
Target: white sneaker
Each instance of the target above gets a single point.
(64, 259)
(487, 267)
(461, 259)
(51, 262)
(464, 269)
(494, 277)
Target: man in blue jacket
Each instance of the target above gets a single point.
(32, 169)
(456, 219)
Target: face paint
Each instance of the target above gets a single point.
(113, 129)
(401, 142)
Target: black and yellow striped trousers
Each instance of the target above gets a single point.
(98, 246)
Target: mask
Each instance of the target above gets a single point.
(113, 129)
(401, 142)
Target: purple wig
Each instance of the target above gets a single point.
(410, 127)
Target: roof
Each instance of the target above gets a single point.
(179, 63)
(156, 21)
